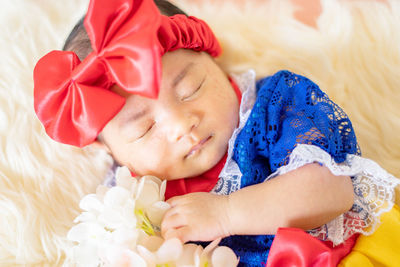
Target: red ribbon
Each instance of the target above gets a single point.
(294, 247)
(72, 98)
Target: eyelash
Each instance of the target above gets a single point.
(148, 130)
(192, 94)
(183, 99)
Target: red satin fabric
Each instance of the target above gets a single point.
(72, 98)
(123, 34)
(294, 247)
(187, 35)
(202, 183)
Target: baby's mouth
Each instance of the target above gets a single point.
(198, 147)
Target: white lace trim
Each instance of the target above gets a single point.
(230, 176)
(373, 190)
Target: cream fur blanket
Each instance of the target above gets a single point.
(354, 56)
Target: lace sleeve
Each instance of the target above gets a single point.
(289, 110)
(373, 190)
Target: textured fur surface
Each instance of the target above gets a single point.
(354, 55)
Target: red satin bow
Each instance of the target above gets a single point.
(294, 247)
(72, 98)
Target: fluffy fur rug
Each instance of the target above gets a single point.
(353, 55)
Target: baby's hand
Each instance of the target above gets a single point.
(196, 217)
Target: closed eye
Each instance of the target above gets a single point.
(191, 95)
(147, 130)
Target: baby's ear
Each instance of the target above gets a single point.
(100, 145)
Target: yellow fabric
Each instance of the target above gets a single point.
(382, 248)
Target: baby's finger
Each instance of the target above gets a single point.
(170, 233)
(183, 233)
(170, 212)
(172, 222)
(173, 201)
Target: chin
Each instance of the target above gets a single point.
(209, 161)
(179, 174)
(193, 172)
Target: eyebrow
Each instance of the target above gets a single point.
(182, 74)
(133, 117)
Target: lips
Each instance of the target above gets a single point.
(197, 147)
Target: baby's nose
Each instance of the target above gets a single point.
(181, 125)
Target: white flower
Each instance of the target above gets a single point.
(119, 256)
(217, 256)
(124, 179)
(89, 235)
(150, 190)
(119, 209)
(120, 226)
(157, 251)
(91, 203)
(86, 255)
(223, 257)
(191, 255)
(156, 212)
(88, 232)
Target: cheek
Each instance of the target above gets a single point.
(224, 107)
(148, 158)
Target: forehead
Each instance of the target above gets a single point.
(174, 62)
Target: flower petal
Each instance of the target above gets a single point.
(211, 246)
(124, 178)
(116, 196)
(152, 243)
(205, 256)
(149, 194)
(128, 214)
(147, 255)
(91, 203)
(84, 231)
(139, 189)
(156, 212)
(170, 250)
(197, 256)
(86, 217)
(153, 179)
(163, 187)
(224, 257)
(86, 255)
(187, 257)
(118, 256)
(111, 218)
(125, 237)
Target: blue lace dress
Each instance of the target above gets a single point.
(289, 110)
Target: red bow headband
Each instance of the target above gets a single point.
(72, 98)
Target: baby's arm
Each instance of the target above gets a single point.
(305, 198)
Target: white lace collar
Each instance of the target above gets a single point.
(230, 176)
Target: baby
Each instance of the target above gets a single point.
(242, 158)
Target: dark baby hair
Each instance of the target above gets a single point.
(78, 40)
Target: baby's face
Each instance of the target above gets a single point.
(185, 131)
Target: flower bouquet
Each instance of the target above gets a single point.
(120, 226)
